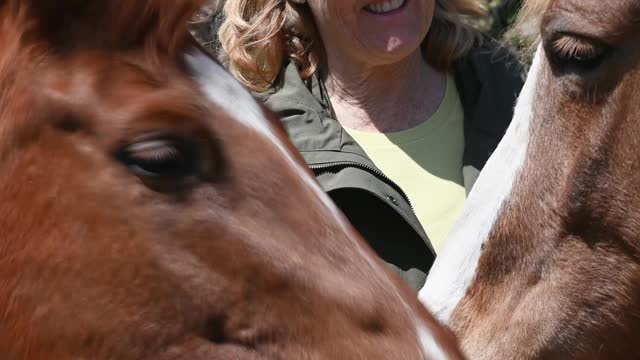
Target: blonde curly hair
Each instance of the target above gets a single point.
(259, 36)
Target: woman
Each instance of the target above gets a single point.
(395, 105)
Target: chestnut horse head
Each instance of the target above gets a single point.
(150, 208)
(545, 261)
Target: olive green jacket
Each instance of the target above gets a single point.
(488, 81)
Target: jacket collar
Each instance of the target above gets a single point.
(488, 79)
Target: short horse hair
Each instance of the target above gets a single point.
(100, 24)
(260, 36)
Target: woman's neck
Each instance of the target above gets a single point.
(386, 98)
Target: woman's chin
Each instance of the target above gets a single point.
(397, 45)
(394, 50)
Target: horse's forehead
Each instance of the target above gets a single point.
(105, 75)
(593, 6)
(107, 91)
(223, 90)
(604, 18)
(220, 87)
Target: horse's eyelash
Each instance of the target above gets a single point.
(573, 48)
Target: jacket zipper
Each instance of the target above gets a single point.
(324, 169)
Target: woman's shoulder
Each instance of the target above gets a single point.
(299, 105)
(290, 92)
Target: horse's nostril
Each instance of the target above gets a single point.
(374, 325)
(214, 331)
(68, 124)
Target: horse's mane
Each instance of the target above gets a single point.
(102, 24)
(30, 29)
(527, 26)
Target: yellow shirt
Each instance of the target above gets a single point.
(426, 162)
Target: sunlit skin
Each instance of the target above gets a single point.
(376, 72)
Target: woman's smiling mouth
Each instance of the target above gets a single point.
(388, 6)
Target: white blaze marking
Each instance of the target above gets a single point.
(456, 265)
(226, 92)
(432, 350)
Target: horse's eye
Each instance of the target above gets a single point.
(161, 159)
(572, 52)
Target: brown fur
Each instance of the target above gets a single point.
(239, 260)
(559, 277)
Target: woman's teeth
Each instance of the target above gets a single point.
(385, 7)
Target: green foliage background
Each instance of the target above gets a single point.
(502, 14)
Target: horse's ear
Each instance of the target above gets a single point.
(111, 24)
